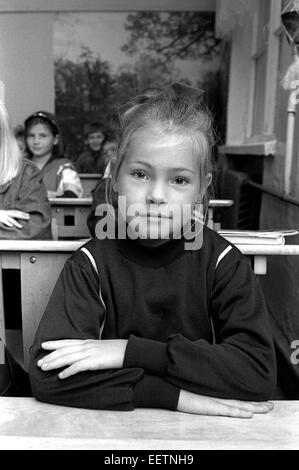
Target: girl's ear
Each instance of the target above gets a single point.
(56, 139)
(208, 179)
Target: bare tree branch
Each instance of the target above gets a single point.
(174, 35)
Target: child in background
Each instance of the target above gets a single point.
(99, 192)
(25, 212)
(145, 322)
(44, 142)
(92, 160)
(110, 149)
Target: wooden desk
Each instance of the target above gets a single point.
(89, 182)
(28, 424)
(260, 253)
(221, 202)
(216, 203)
(70, 216)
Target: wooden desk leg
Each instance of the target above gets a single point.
(39, 273)
(2, 318)
(54, 228)
(260, 265)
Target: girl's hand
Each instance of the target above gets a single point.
(7, 217)
(203, 405)
(80, 355)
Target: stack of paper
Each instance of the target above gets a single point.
(252, 237)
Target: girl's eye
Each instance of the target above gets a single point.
(181, 181)
(139, 174)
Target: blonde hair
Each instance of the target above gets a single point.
(170, 116)
(10, 154)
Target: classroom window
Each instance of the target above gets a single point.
(285, 59)
(259, 57)
(264, 57)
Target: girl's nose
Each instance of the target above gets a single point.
(157, 194)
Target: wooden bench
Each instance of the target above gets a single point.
(89, 182)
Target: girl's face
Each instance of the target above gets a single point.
(157, 174)
(40, 140)
(95, 140)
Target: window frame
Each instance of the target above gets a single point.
(274, 30)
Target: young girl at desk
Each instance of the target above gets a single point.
(44, 141)
(25, 212)
(146, 322)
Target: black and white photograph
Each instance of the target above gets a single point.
(149, 228)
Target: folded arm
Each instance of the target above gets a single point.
(240, 364)
(31, 211)
(78, 369)
(75, 312)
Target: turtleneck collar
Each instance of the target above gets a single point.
(152, 256)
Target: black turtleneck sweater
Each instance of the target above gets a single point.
(194, 320)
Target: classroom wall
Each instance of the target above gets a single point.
(26, 44)
(26, 63)
(106, 5)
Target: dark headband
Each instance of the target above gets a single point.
(42, 115)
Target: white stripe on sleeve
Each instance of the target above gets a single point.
(223, 254)
(92, 260)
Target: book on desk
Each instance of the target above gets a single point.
(257, 237)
